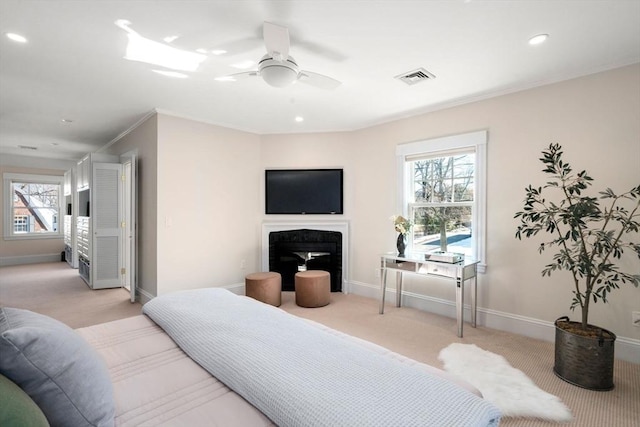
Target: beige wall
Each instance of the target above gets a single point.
(208, 204)
(315, 150)
(26, 249)
(142, 141)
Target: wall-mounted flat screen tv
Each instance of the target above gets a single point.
(303, 191)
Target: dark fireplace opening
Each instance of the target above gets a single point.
(299, 250)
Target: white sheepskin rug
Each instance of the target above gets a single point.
(501, 384)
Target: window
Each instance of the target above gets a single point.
(32, 206)
(443, 187)
(442, 205)
(20, 224)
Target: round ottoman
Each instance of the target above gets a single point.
(313, 288)
(264, 287)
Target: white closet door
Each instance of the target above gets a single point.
(129, 205)
(106, 262)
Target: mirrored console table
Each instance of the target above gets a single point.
(416, 263)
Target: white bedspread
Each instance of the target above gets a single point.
(299, 375)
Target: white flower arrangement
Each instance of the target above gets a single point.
(401, 224)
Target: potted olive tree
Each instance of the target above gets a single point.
(589, 235)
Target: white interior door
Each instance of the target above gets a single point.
(106, 196)
(129, 241)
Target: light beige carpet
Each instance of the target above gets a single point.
(56, 290)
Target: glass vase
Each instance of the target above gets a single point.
(401, 244)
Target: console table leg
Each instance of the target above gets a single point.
(383, 288)
(474, 299)
(398, 289)
(460, 304)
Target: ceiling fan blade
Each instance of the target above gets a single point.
(318, 80)
(276, 40)
(237, 76)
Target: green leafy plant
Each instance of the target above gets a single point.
(589, 238)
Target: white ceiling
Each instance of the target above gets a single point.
(73, 68)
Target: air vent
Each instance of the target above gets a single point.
(415, 76)
(27, 147)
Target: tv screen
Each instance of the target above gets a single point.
(303, 191)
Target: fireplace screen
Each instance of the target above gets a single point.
(300, 250)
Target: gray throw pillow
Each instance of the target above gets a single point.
(57, 368)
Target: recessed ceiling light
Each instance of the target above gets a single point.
(218, 51)
(66, 121)
(299, 119)
(537, 39)
(173, 74)
(17, 37)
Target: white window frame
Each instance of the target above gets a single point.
(8, 180)
(472, 140)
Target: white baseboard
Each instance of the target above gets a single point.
(626, 348)
(144, 296)
(237, 288)
(29, 259)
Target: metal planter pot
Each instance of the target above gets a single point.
(584, 361)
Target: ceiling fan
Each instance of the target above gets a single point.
(277, 68)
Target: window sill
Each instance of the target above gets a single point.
(35, 237)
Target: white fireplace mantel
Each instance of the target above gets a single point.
(326, 225)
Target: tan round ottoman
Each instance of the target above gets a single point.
(313, 288)
(265, 287)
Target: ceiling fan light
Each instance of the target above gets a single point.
(278, 76)
(278, 73)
